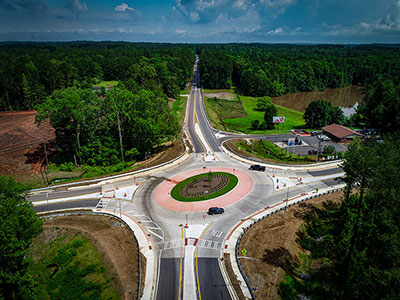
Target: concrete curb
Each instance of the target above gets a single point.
(233, 239)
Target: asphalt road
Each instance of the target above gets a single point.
(326, 172)
(62, 194)
(169, 279)
(198, 115)
(66, 205)
(212, 284)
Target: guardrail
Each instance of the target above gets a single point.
(246, 279)
(86, 212)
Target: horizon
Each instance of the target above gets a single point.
(339, 22)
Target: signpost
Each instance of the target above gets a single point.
(204, 219)
(278, 120)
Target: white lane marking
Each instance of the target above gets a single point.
(201, 137)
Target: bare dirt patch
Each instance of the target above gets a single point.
(114, 242)
(272, 242)
(343, 97)
(220, 95)
(21, 148)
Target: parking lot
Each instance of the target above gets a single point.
(307, 143)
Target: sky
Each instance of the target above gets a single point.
(202, 21)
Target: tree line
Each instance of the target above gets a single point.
(273, 70)
(32, 71)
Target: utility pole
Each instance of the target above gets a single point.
(47, 161)
(120, 138)
(318, 150)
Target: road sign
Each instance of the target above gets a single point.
(204, 216)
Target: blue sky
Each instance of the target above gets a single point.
(202, 21)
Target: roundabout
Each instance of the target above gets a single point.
(197, 190)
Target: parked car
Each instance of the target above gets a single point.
(312, 152)
(325, 138)
(314, 133)
(257, 168)
(215, 210)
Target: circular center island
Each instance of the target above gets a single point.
(204, 186)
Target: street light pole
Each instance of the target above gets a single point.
(287, 198)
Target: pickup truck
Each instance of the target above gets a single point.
(257, 168)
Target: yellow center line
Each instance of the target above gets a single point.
(194, 120)
(195, 116)
(197, 266)
(180, 269)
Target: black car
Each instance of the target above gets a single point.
(215, 210)
(257, 168)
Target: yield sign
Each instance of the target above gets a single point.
(204, 216)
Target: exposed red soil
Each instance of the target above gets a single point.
(21, 148)
(344, 97)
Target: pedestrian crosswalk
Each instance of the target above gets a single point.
(208, 244)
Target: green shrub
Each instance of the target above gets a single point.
(287, 289)
(67, 167)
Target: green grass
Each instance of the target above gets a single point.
(178, 107)
(176, 191)
(104, 83)
(293, 119)
(71, 269)
(220, 109)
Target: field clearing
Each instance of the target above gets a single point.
(272, 243)
(21, 149)
(293, 119)
(343, 97)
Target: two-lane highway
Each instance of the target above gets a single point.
(188, 270)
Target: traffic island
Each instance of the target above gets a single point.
(205, 186)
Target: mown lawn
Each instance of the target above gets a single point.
(70, 267)
(178, 107)
(293, 119)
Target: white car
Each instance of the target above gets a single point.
(325, 138)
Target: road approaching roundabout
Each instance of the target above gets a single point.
(168, 207)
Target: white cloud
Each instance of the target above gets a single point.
(240, 4)
(180, 31)
(276, 31)
(194, 16)
(389, 24)
(76, 6)
(124, 7)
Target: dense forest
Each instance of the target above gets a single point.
(273, 70)
(99, 128)
(32, 71)
(353, 247)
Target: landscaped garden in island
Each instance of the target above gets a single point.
(204, 186)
